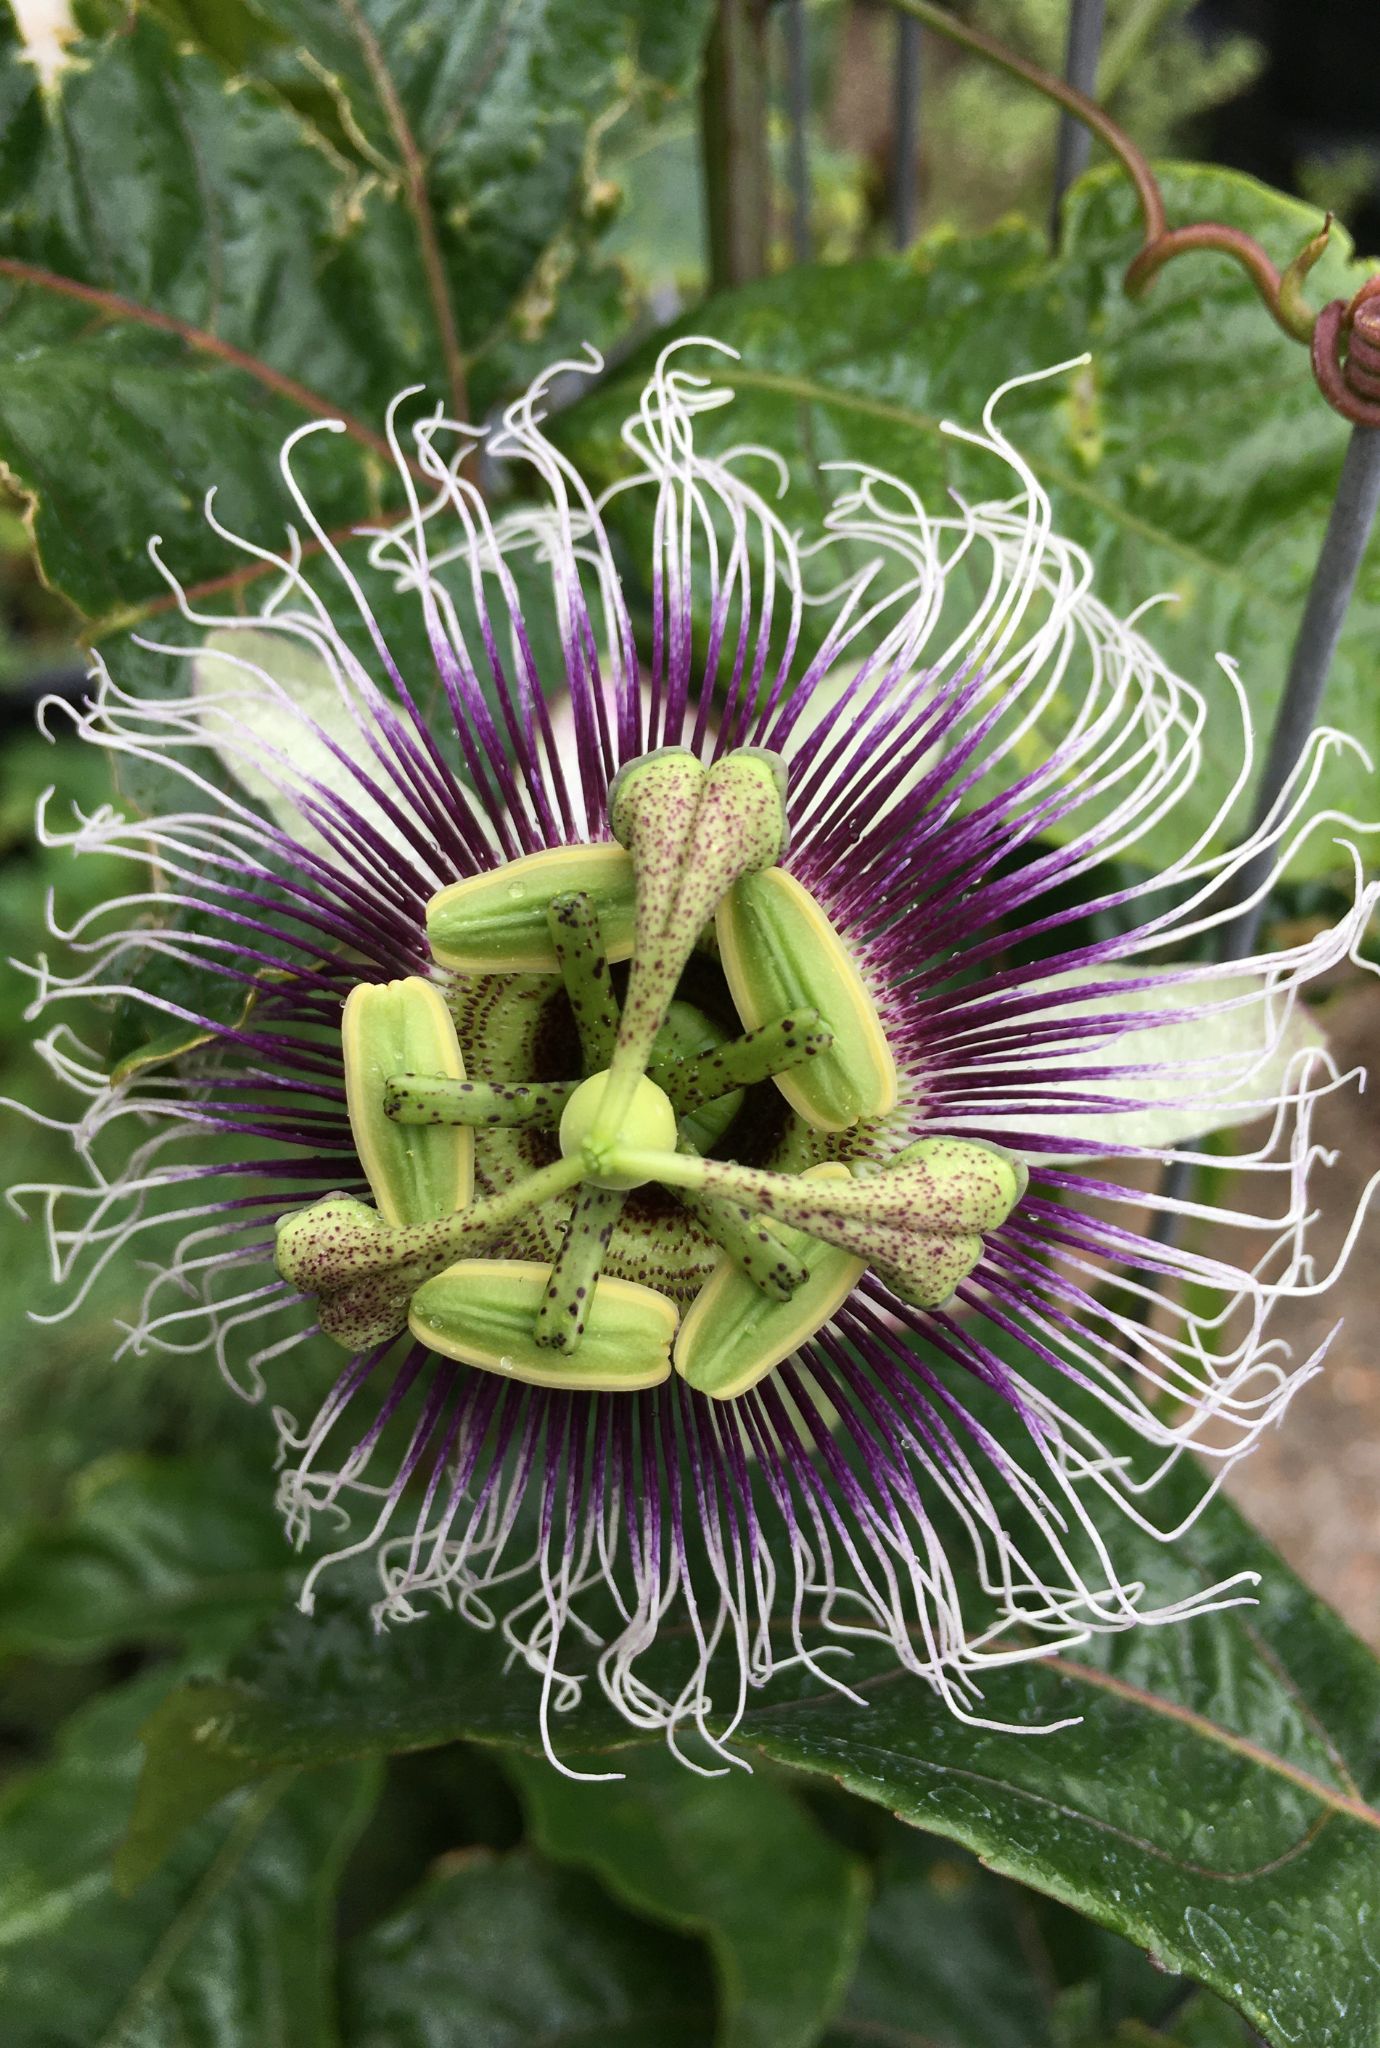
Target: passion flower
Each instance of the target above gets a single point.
(693, 1075)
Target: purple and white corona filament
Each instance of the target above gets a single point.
(678, 1067)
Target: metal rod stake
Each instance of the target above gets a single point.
(798, 108)
(1349, 528)
(1334, 580)
(905, 191)
(1086, 18)
(733, 126)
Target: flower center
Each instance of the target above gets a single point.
(609, 1174)
(648, 1123)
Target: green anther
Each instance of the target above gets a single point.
(511, 1105)
(496, 923)
(364, 1271)
(387, 1027)
(739, 1062)
(484, 1312)
(691, 835)
(573, 923)
(733, 1334)
(565, 1305)
(780, 954)
(650, 1123)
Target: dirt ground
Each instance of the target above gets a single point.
(1313, 1485)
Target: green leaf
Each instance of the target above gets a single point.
(326, 204)
(957, 1958)
(1216, 1802)
(229, 1947)
(501, 1951)
(947, 1960)
(1193, 456)
(734, 1859)
(151, 1550)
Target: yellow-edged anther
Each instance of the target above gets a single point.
(780, 953)
(484, 1312)
(416, 1172)
(648, 1124)
(734, 1334)
(496, 923)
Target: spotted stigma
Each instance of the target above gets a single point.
(723, 1266)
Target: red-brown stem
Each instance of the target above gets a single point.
(114, 306)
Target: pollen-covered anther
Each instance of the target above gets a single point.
(414, 1174)
(484, 1312)
(781, 956)
(498, 922)
(735, 1333)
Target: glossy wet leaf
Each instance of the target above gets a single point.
(229, 1946)
(1193, 456)
(957, 1958)
(148, 1551)
(1216, 1804)
(507, 1952)
(734, 1859)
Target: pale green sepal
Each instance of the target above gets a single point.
(415, 1172)
(497, 923)
(484, 1313)
(733, 1334)
(246, 722)
(780, 953)
(1233, 1059)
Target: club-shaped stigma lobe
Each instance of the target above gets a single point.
(691, 832)
(364, 1271)
(919, 1223)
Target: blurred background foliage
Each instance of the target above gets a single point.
(451, 1896)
